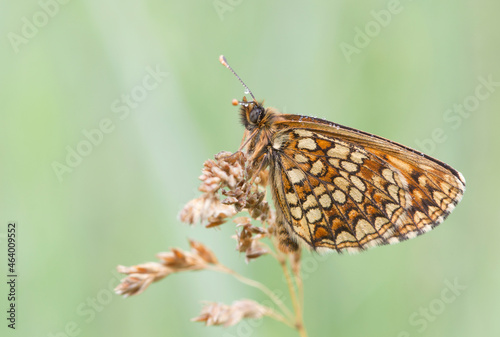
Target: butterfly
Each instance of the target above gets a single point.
(338, 188)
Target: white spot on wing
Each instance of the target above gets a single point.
(317, 167)
(313, 215)
(363, 228)
(296, 175)
(325, 201)
(348, 166)
(300, 158)
(339, 151)
(303, 133)
(338, 196)
(355, 194)
(292, 199)
(345, 236)
(307, 144)
(387, 174)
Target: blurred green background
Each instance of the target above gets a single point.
(397, 69)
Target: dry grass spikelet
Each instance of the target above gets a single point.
(229, 186)
(227, 315)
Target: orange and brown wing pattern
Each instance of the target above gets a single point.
(343, 189)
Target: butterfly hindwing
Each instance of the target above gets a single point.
(338, 188)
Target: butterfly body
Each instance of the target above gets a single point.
(339, 188)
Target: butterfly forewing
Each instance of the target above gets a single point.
(343, 189)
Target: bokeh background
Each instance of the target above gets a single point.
(65, 72)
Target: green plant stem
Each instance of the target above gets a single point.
(221, 268)
(300, 291)
(299, 283)
(273, 314)
(297, 306)
(293, 294)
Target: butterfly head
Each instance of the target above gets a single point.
(252, 114)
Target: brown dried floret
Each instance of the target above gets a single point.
(248, 239)
(227, 170)
(206, 209)
(227, 315)
(229, 174)
(140, 277)
(197, 258)
(206, 254)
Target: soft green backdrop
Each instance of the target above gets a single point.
(119, 205)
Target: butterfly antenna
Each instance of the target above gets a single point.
(222, 60)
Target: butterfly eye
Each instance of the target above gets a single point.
(255, 115)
